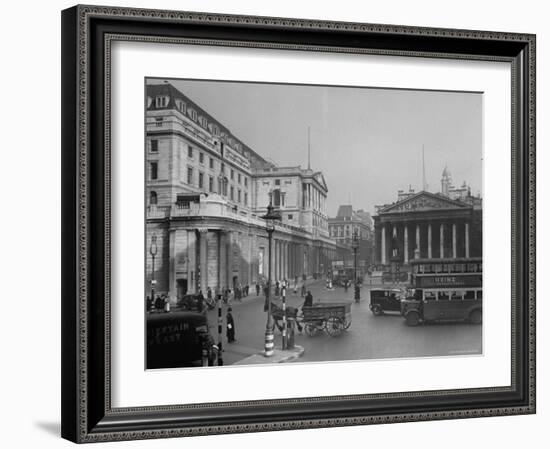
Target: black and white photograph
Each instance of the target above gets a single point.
(295, 223)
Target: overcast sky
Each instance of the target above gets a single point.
(366, 141)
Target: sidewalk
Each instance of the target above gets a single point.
(279, 356)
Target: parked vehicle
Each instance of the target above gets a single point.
(191, 302)
(384, 300)
(444, 290)
(333, 318)
(179, 339)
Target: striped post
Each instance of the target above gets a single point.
(269, 346)
(220, 330)
(284, 315)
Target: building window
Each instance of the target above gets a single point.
(161, 101)
(180, 106)
(246, 182)
(183, 202)
(201, 158)
(290, 217)
(276, 197)
(158, 121)
(153, 198)
(232, 174)
(231, 193)
(210, 183)
(239, 195)
(211, 163)
(239, 178)
(154, 168)
(222, 168)
(190, 175)
(192, 113)
(245, 199)
(190, 151)
(277, 182)
(201, 180)
(203, 122)
(154, 146)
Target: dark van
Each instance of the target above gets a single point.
(179, 339)
(385, 299)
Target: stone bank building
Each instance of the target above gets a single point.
(447, 224)
(206, 191)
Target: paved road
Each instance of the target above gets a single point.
(369, 337)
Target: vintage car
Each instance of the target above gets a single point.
(385, 299)
(190, 302)
(179, 339)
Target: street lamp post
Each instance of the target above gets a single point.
(270, 217)
(355, 245)
(153, 251)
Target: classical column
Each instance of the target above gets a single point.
(467, 239)
(406, 243)
(229, 259)
(203, 257)
(172, 287)
(222, 259)
(417, 249)
(394, 239)
(441, 240)
(454, 240)
(429, 241)
(192, 262)
(383, 246)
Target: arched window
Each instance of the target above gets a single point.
(153, 198)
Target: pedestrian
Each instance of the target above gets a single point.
(166, 303)
(209, 293)
(309, 300)
(277, 288)
(230, 323)
(149, 304)
(226, 295)
(303, 292)
(159, 304)
(246, 290)
(257, 289)
(200, 302)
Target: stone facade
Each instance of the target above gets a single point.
(427, 225)
(349, 222)
(206, 192)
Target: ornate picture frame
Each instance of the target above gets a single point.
(88, 33)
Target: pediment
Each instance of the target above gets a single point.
(321, 180)
(422, 202)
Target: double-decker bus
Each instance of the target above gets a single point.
(444, 290)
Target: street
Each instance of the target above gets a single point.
(369, 337)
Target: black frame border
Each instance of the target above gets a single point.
(87, 32)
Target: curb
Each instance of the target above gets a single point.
(279, 356)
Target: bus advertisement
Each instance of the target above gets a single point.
(444, 290)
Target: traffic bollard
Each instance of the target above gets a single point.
(290, 338)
